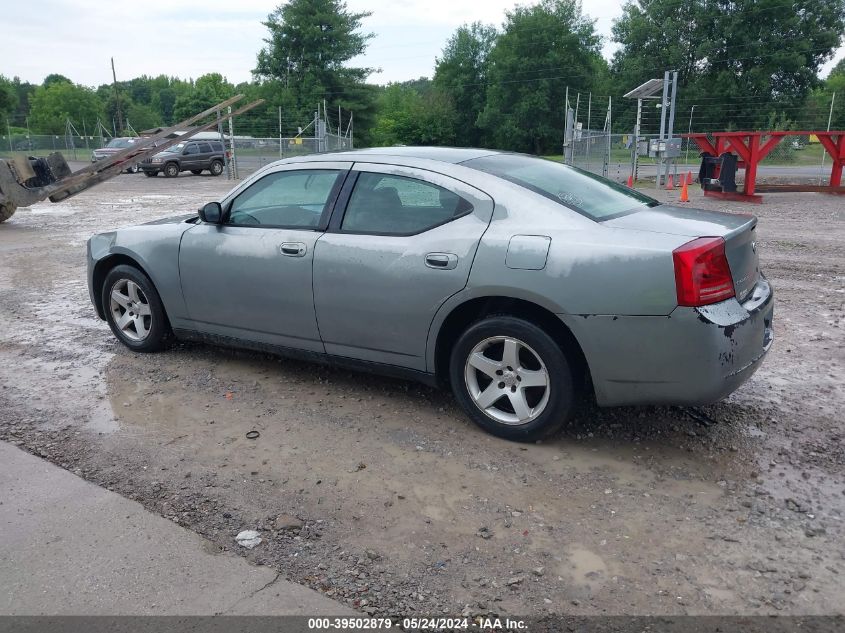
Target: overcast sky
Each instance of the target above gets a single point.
(189, 38)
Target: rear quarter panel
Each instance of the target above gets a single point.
(590, 269)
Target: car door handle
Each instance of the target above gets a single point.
(444, 261)
(293, 249)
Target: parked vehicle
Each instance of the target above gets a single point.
(192, 156)
(515, 280)
(113, 147)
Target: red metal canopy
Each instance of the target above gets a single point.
(752, 148)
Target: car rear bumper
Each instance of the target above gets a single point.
(692, 356)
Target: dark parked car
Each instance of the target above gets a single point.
(192, 156)
(113, 147)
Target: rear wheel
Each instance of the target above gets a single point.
(512, 378)
(134, 310)
(216, 168)
(171, 170)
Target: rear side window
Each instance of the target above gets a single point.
(216, 147)
(398, 205)
(285, 199)
(596, 197)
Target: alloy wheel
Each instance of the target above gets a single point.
(507, 380)
(130, 310)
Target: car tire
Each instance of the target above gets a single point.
(134, 310)
(171, 170)
(151, 174)
(216, 168)
(196, 172)
(490, 369)
(132, 170)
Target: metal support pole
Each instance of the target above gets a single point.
(689, 131)
(824, 153)
(635, 156)
(664, 103)
(670, 132)
(232, 141)
(565, 122)
(281, 153)
(9, 132)
(589, 132)
(223, 140)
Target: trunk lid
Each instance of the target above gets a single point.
(738, 231)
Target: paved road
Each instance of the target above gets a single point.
(72, 548)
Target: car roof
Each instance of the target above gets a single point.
(396, 155)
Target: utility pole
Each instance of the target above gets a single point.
(281, 154)
(117, 98)
(9, 132)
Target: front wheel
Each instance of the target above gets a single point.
(134, 310)
(512, 378)
(171, 170)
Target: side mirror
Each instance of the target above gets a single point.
(212, 213)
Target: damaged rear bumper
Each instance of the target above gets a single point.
(693, 356)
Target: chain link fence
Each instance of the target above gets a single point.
(249, 153)
(611, 155)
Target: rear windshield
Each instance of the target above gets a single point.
(596, 197)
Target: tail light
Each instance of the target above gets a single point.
(702, 272)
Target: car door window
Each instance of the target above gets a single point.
(290, 199)
(205, 148)
(398, 205)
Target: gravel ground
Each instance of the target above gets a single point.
(380, 494)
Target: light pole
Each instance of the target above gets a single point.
(689, 131)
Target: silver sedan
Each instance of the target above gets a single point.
(516, 281)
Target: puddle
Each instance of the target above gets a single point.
(584, 569)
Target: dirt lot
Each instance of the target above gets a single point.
(381, 494)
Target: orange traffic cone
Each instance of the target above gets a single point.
(631, 181)
(689, 177)
(684, 192)
(669, 184)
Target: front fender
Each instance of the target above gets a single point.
(154, 248)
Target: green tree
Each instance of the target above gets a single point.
(740, 61)
(53, 104)
(306, 61)
(208, 90)
(543, 49)
(461, 73)
(412, 113)
(8, 97)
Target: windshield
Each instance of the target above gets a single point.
(596, 197)
(120, 142)
(175, 148)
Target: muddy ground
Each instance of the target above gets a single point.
(381, 494)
